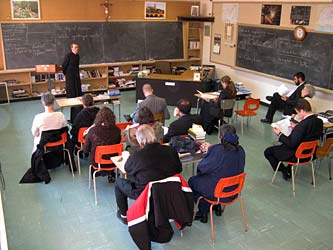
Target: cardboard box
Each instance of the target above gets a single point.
(48, 68)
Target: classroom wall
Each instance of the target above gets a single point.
(261, 85)
(91, 10)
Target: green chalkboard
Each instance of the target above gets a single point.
(28, 44)
(276, 52)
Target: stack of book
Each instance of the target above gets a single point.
(197, 133)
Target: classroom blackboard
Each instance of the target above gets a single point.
(276, 52)
(28, 44)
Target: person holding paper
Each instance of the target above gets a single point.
(284, 102)
(308, 129)
(210, 111)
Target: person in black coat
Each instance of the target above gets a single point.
(285, 103)
(210, 111)
(71, 70)
(222, 160)
(309, 129)
(153, 162)
(85, 118)
(185, 121)
(103, 132)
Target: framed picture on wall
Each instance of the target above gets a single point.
(195, 11)
(155, 10)
(25, 9)
(300, 15)
(271, 14)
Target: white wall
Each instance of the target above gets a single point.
(261, 86)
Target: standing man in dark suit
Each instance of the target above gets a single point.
(185, 121)
(287, 104)
(71, 70)
(309, 129)
(154, 103)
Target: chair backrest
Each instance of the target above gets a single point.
(306, 150)
(62, 141)
(123, 125)
(80, 137)
(227, 104)
(251, 104)
(325, 149)
(107, 150)
(159, 117)
(237, 181)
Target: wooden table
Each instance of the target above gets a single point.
(186, 158)
(212, 96)
(77, 101)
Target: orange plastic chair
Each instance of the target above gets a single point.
(326, 151)
(62, 142)
(219, 193)
(81, 140)
(304, 153)
(122, 126)
(99, 160)
(250, 108)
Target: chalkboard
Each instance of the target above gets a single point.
(28, 44)
(276, 52)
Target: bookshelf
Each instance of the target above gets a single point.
(193, 39)
(26, 84)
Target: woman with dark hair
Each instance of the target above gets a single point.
(211, 112)
(145, 116)
(103, 132)
(222, 160)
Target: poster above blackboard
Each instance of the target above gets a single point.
(29, 44)
(276, 52)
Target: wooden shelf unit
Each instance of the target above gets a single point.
(193, 39)
(26, 78)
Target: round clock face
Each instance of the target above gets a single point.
(299, 33)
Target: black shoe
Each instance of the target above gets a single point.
(47, 181)
(122, 218)
(128, 118)
(285, 173)
(218, 210)
(265, 120)
(203, 218)
(269, 98)
(112, 177)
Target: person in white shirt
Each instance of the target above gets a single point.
(47, 120)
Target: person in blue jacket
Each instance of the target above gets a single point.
(222, 160)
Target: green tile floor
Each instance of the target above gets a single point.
(63, 215)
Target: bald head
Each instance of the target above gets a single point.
(147, 89)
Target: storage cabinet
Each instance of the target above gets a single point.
(193, 44)
(27, 83)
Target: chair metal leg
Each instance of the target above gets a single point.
(70, 161)
(89, 175)
(78, 160)
(313, 175)
(195, 209)
(243, 213)
(242, 121)
(212, 222)
(218, 132)
(293, 179)
(95, 188)
(276, 170)
(329, 168)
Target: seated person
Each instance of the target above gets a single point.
(285, 103)
(210, 111)
(153, 162)
(103, 132)
(309, 128)
(48, 120)
(85, 118)
(307, 93)
(222, 160)
(145, 116)
(154, 103)
(184, 122)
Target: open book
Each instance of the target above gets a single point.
(283, 125)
